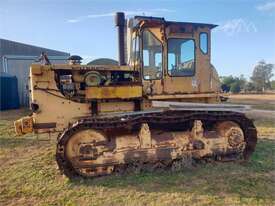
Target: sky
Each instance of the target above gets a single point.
(245, 35)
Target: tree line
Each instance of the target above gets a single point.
(260, 80)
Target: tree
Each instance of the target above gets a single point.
(249, 87)
(261, 76)
(235, 87)
(233, 84)
(273, 84)
(242, 82)
(227, 80)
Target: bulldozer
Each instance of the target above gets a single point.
(158, 108)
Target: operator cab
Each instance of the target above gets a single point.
(172, 57)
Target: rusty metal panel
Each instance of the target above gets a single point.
(23, 125)
(46, 125)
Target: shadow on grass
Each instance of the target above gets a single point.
(249, 180)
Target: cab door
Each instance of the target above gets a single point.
(181, 75)
(152, 61)
(187, 60)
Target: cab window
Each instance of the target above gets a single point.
(204, 42)
(134, 57)
(152, 56)
(181, 57)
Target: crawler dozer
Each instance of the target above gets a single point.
(159, 107)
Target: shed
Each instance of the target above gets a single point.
(16, 58)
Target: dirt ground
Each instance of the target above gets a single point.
(249, 97)
(256, 101)
(28, 175)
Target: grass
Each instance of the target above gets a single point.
(28, 176)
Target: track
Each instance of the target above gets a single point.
(168, 120)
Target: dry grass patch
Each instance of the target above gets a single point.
(259, 97)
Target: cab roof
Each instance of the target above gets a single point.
(161, 20)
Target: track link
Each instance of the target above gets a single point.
(166, 119)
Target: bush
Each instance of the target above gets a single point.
(233, 84)
(235, 87)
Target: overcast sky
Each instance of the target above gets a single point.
(246, 32)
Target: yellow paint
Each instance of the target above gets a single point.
(23, 125)
(36, 70)
(113, 92)
(183, 96)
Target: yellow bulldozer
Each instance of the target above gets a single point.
(158, 108)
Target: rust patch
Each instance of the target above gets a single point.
(44, 125)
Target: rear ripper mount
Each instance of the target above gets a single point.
(103, 145)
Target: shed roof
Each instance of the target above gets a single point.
(9, 47)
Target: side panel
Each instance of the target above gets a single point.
(56, 112)
(53, 106)
(203, 75)
(113, 92)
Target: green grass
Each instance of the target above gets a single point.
(28, 176)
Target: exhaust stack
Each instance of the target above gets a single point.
(120, 23)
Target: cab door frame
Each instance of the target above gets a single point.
(153, 86)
